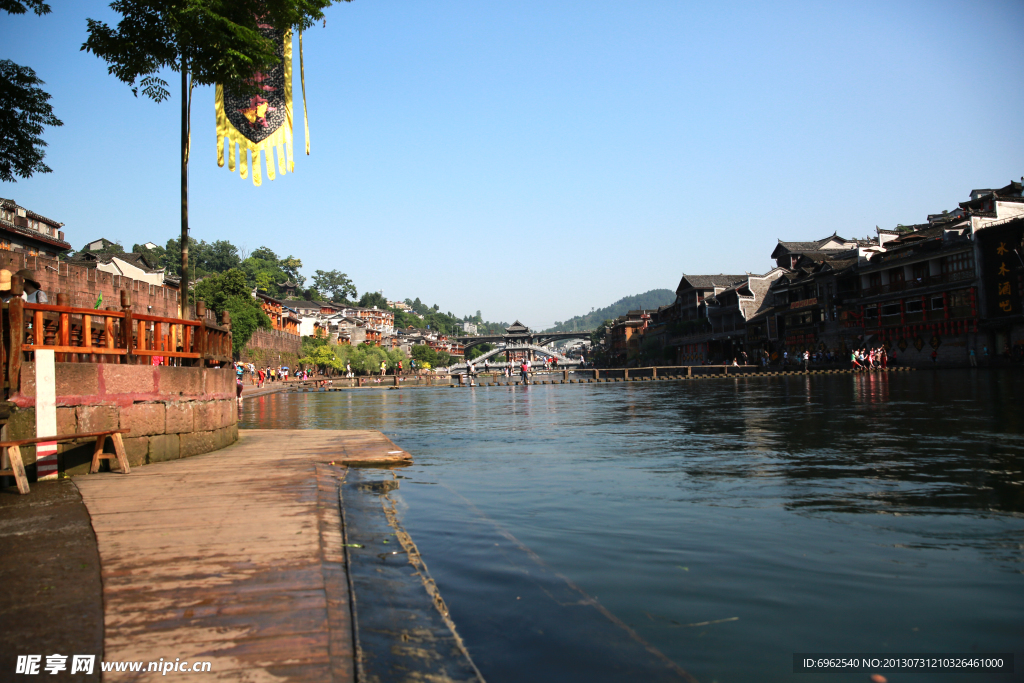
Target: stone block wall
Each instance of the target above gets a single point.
(84, 285)
(172, 412)
(272, 347)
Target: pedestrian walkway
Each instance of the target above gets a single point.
(235, 557)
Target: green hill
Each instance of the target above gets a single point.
(647, 300)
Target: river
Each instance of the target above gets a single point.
(730, 523)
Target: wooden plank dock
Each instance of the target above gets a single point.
(233, 557)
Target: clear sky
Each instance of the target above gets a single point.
(535, 160)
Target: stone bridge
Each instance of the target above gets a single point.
(478, 361)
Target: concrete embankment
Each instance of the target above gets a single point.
(237, 558)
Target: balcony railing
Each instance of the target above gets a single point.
(86, 335)
(917, 283)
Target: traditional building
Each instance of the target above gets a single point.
(134, 266)
(689, 331)
(26, 231)
(997, 224)
(282, 318)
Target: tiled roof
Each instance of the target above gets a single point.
(34, 234)
(710, 281)
(90, 258)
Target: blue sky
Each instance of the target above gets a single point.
(536, 160)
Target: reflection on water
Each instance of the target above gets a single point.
(864, 513)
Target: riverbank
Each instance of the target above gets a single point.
(239, 558)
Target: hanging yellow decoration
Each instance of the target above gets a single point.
(256, 124)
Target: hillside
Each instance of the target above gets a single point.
(590, 321)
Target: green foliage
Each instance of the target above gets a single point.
(230, 292)
(310, 344)
(365, 358)
(216, 41)
(334, 285)
(156, 256)
(599, 333)
(648, 301)
(480, 350)
(264, 271)
(24, 110)
(371, 299)
(246, 318)
(19, 7)
(423, 354)
(291, 266)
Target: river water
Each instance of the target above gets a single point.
(730, 523)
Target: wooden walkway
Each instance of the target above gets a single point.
(234, 557)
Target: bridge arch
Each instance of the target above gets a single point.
(562, 360)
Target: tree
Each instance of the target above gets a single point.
(206, 41)
(335, 285)
(157, 256)
(220, 257)
(24, 109)
(370, 299)
(291, 267)
(230, 292)
(598, 335)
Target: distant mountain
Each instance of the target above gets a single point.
(648, 300)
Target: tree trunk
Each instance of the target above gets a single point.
(183, 291)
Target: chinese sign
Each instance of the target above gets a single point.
(1002, 254)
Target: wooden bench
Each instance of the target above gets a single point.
(12, 453)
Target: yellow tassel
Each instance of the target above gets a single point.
(279, 149)
(289, 117)
(302, 79)
(257, 171)
(243, 154)
(231, 156)
(270, 163)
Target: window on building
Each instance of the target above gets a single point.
(920, 271)
(957, 263)
(891, 309)
(896, 276)
(874, 280)
(871, 312)
(915, 306)
(936, 303)
(5, 245)
(961, 297)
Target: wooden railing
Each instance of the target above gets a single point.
(85, 335)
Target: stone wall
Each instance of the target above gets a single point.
(272, 347)
(172, 412)
(84, 285)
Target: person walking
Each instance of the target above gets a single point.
(524, 370)
(383, 367)
(973, 358)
